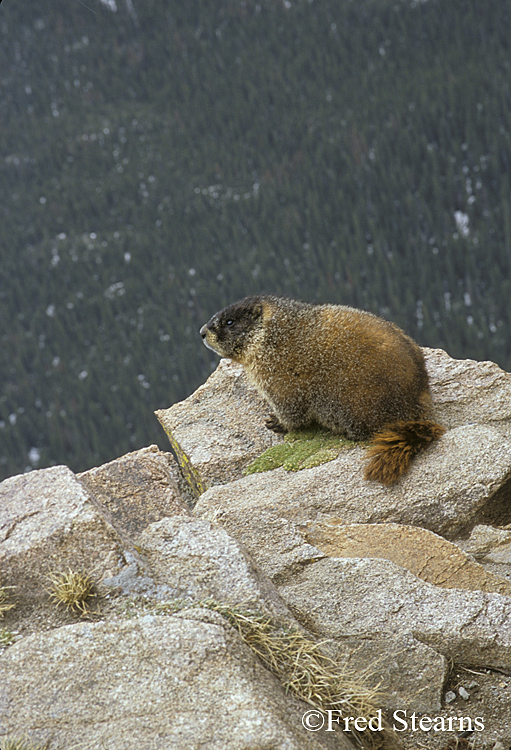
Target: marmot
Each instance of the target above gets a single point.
(344, 369)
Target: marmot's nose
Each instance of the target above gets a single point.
(203, 331)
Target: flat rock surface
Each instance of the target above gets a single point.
(191, 559)
(423, 553)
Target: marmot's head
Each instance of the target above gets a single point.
(232, 330)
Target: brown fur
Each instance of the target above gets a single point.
(394, 447)
(344, 369)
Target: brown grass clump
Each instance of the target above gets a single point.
(5, 604)
(301, 665)
(72, 589)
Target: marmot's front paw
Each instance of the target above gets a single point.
(272, 423)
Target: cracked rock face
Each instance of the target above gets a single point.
(137, 489)
(356, 596)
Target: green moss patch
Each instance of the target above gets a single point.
(301, 450)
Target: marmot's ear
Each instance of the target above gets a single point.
(257, 311)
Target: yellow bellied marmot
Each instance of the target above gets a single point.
(344, 369)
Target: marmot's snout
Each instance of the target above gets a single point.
(208, 339)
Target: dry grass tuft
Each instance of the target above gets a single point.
(301, 665)
(21, 745)
(5, 605)
(72, 589)
(6, 638)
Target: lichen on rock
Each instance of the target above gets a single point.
(301, 450)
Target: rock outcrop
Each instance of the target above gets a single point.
(407, 590)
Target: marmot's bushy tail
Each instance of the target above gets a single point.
(394, 447)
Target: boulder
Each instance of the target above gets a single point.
(194, 560)
(466, 391)
(137, 489)
(149, 682)
(49, 524)
(219, 430)
(444, 491)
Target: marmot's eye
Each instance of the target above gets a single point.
(229, 322)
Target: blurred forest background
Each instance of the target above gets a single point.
(162, 159)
